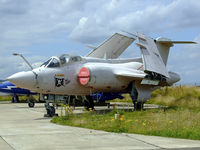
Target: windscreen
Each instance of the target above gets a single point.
(45, 63)
(54, 63)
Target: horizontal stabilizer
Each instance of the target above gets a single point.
(177, 42)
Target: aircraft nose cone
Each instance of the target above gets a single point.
(23, 79)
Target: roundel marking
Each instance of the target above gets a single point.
(84, 75)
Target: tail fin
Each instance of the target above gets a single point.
(164, 44)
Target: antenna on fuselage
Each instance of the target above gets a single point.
(16, 54)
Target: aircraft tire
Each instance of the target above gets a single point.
(51, 111)
(15, 100)
(86, 104)
(31, 104)
(89, 103)
(139, 106)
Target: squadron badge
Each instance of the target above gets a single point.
(60, 80)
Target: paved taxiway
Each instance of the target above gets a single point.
(23, 128)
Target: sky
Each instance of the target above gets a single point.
(39, 29)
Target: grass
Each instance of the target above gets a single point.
(177, 97)
(5, 98)
(180, 120)
(169, 123)
(22, 98)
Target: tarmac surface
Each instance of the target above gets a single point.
(23, 128)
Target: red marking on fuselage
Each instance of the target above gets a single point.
(84, 76)
(140, 67)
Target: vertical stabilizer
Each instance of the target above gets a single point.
(164, 48)
(152, 59)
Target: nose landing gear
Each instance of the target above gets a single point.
(50, 109)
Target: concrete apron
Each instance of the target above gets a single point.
(23, 128)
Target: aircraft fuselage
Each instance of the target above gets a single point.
(83, 77)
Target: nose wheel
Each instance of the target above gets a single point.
(50, 111)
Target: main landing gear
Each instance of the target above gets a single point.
(88, 102)
(15, 99)
(138, 105)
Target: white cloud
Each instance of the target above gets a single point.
(11, 64)
(115, 15)
(32, 22)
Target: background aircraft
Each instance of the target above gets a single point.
(76, 75)
(3, 94)
(7, 88)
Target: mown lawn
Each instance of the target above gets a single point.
(180, 120)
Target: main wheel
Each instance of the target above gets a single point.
(15, 99)
(138, 106)
(89, 103)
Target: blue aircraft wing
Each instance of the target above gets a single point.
(8, 87)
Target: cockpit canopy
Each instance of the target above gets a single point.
(61, 61)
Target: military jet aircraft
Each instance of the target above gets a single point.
(110, 49)
(84, 76)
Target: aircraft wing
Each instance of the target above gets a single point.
(113, 47)
(1, 81)
(4, 94)
(152, 59)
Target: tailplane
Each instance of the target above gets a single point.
(164, 44)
